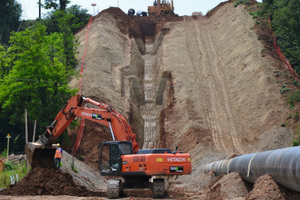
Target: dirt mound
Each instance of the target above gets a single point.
(231, 186)
(151, 26)
(42, 181)
(117, 12)
(228, 187)
(127, 25)
(138, 27)
(265, 188)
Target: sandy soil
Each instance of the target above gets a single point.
(216, 91)
(206, 84)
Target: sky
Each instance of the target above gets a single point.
(182, 7)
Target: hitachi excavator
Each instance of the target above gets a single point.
(125, 159)
(161, 7)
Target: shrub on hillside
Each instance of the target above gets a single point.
(294, 98)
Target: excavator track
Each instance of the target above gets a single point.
(114, 188)
(159, 189)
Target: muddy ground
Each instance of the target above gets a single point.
(208, 84)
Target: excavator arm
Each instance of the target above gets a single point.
(41, 153)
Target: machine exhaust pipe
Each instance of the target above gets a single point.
(283, 165)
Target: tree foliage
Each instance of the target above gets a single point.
(81, 17)
(38, 79)
(285, 16)
(67, 22)
(10, 13)
(61, 22)
(6, 62)
(73, 18)
(35, 70)
(56, 5)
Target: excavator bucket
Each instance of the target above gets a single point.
(40, 156)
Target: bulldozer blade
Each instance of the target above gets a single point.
(40, 156)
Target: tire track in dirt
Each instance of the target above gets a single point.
(221, 109)
(200, 79)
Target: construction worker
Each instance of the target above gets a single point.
(58, 156)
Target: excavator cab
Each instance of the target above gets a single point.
(111, 165)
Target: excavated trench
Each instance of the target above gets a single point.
(156, 82)
(154, 86)
(150, 109)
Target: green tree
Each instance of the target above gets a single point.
(61, 4)
(6, 62)
(10, 13)
(285, 18)
(268, 7)
(81, 17)
(61, 22)
(286, 22)
(38, 80)
(67, 22)
(74, 16)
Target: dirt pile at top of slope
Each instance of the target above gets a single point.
(126, 25)
(41, 181)
(138, 27)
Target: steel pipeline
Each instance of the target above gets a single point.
(283, 165)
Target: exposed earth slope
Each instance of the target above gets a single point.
(213, 91)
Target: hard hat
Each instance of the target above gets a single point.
(58, 144)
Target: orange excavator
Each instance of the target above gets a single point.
(125, 159)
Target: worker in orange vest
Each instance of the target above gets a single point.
(58, 156)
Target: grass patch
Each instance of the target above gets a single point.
(243, 2)
(74, 169)
(81, 157)
(296, 142)
(284, 89)
(11, 170)
(294, 98)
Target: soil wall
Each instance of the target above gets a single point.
(225, 91)
(215, 90)
(113, 66)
